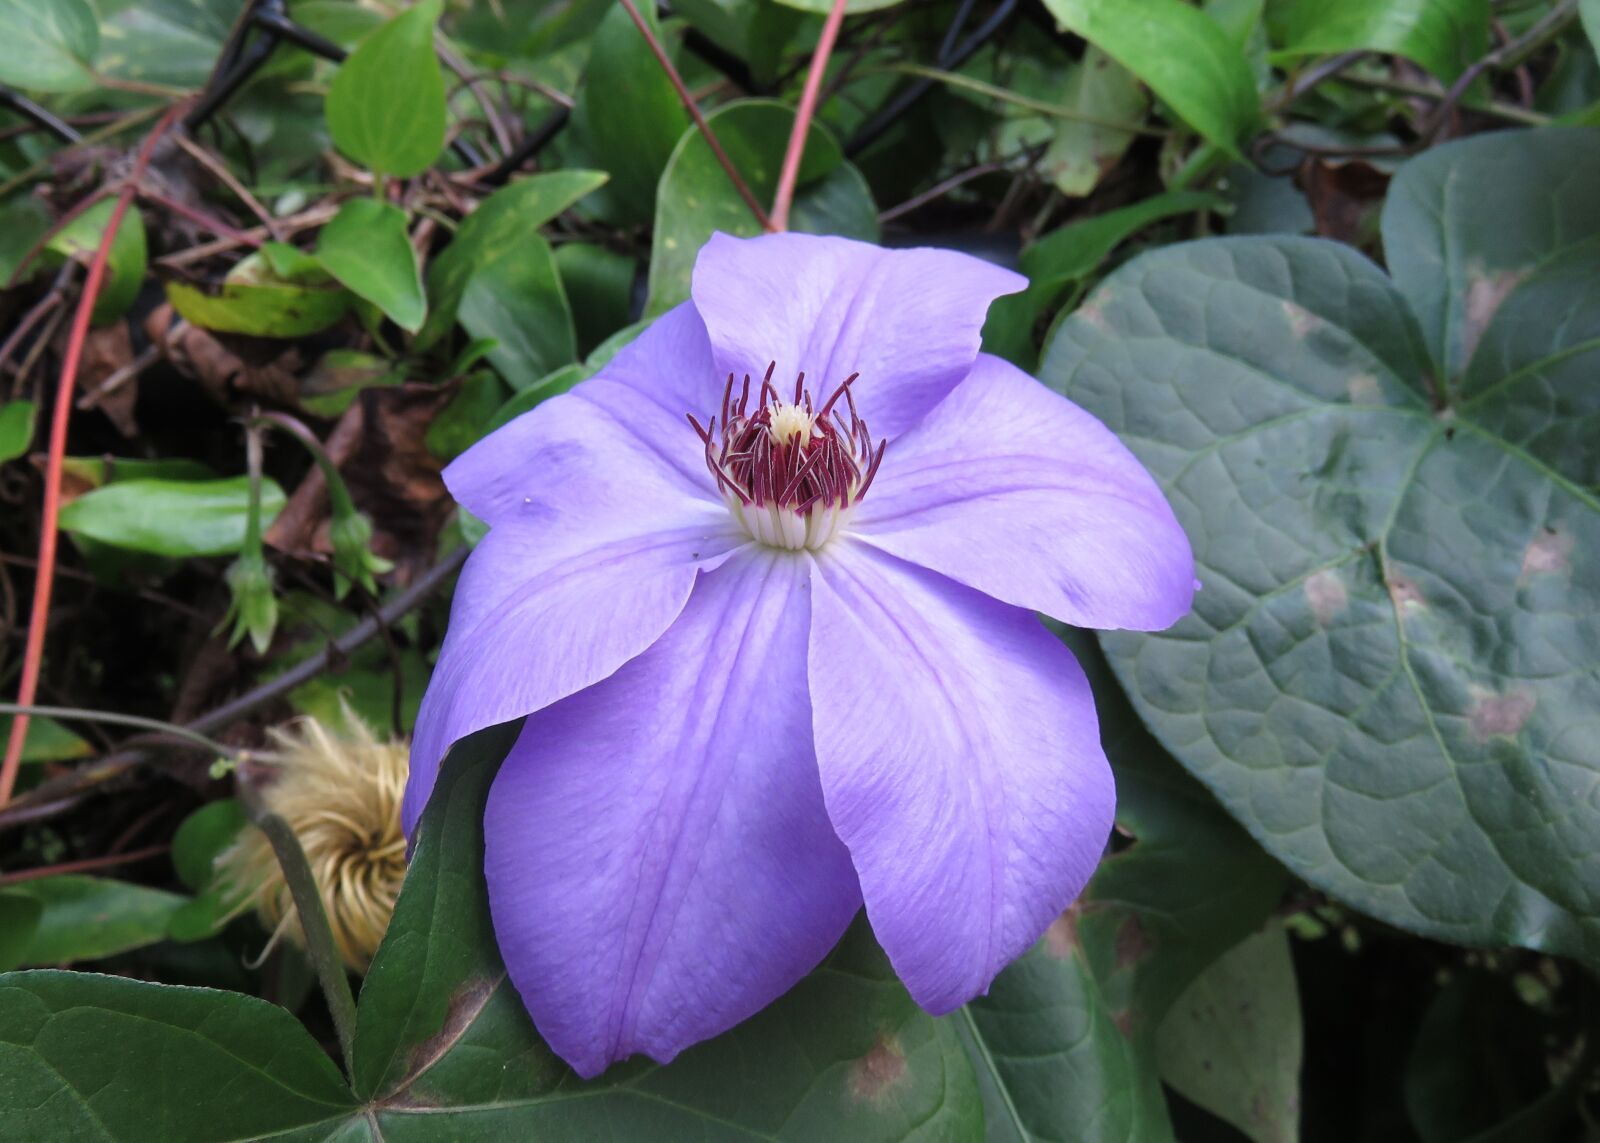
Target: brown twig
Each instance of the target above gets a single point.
(148, 357)
(199, 217)
(84, 866)
(790, 173)
(305, 220)
(228, 179)
(694, 113)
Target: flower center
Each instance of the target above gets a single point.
(790, 473)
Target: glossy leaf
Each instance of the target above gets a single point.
(126, 264)
(48, 740)
(599, 284)
(16, 428)
(276, 292)
(201, 837)
(628, 114)
(846, 1055)
(86, 918)
(1232, 1043)
(386, 107)
(366, 248)
(697, 199)
(1388, 662)
(489, 231)
(1065, 1040)
(518, 301)
(551, 385)
(99, 1057)
(1185, 56)
(1441, 35)
(48, 45)
(174, 518)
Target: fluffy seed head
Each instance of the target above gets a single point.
(340, 792)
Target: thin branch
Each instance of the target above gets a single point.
(1054, 110)
(228, 179)
(790, 173)
(694, 113)
(87, 865)
(112, 718)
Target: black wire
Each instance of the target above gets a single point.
(951, 55)
(31, 111)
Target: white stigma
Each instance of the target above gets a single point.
(790, 423)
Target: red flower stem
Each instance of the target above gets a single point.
(33, 652)
(802, 119)
(694, 113)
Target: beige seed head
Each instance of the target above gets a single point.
(340, 791)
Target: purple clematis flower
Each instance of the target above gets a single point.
(775, 639)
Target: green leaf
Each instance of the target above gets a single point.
(846, 1055)
(367, 249)
(518, 301)
(628, 114)
(1232, 1043)
(125, 266)
(1589, 14)
(48, 45)
(201, 836)
(697, 199)
(23, 221)
(464, 421)
(99, 1057)
(386, 106)
(1065, 257)
(19, 920)
(1384, 669)
(86, 918)
(488, 232)
(546, 387)
(48, 740)
(599, 284)
(1065, 1040)
(1457, 256)
(1079, 152)
(1185, 56)
(1441, 35)
(16, 428)
(276, 292)
(173, 518)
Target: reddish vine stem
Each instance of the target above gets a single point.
(33, 652)
(87, 865)
(790, 173)
(693, 109)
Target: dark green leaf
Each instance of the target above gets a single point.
(19, 920)
(16, 428)
(386, 107)
(1067, 256)
(599, 283)
(1386, 665)
(697, 199)
(1232, 1043)
(202, 835)
(1441, 35)
(171, 517)
(846, 1055)
(99, 1057)
(463, 422)
(549, 386)
(125, 268)
(275, 292)
(492, 229)
(518, 301)
(1184, 55)
(339, 375)
(48, 45)
(367, 249)
(628, 114)
(86, 918)
(23, 221)
(1066, 1037)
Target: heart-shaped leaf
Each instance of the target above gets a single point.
(1388, 675)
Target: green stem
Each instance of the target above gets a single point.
(302, 886)
(1054, 110)
(111, 718)
(338, 494)
(1510, 113)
